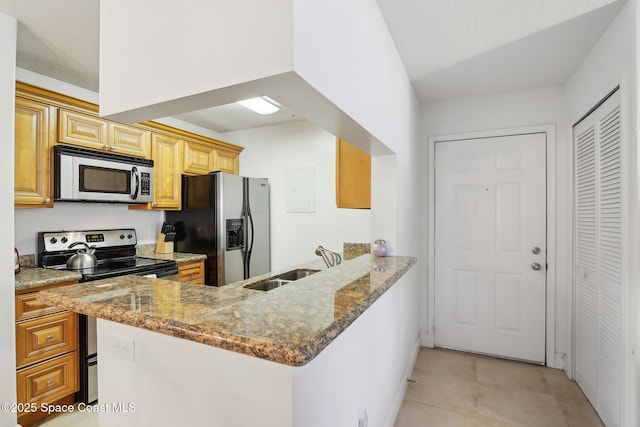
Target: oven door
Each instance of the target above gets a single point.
(107, 178)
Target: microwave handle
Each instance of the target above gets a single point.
(135, 176)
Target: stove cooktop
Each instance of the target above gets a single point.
(138, 266)
(115, 250)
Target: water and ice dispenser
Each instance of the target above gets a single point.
(235, 234)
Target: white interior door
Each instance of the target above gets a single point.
(490, 245)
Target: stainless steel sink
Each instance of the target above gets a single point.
(281, 279)
(267, 285)
(296, 274)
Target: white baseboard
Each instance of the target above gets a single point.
(426, 340)
(402, 385)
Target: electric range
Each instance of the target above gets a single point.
(115, 252)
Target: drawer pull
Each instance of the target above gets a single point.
(50, 383)
(49, 337)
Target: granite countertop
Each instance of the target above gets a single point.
(31, 278)
(289, 325)
(34, 277)
(149, 251)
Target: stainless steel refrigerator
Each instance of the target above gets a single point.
(226, 217)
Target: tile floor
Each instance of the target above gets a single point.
(74, 419)
(461, 389)
(455, 389)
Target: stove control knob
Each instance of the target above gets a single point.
(53, 240)
(122, 236)
(129, 236)
(63, 240)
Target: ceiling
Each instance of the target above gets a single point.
(450, 48)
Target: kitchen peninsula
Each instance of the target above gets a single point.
(309, 353)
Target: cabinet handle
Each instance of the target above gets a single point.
(192, 273)
(49, 337)
(47, 200)
(50, 382)
(106, 146)
(113, 148)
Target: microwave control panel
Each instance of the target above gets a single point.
(145, 184)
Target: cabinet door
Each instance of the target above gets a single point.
(198, 158)
(166, 153)
(129, 140)
(192, 272)
(227, 161)
(353, 177)
(82, 130)
(32, 186)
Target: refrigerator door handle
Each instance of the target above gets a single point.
(250, 244)
(245, 232)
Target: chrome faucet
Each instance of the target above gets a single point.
(330, 258)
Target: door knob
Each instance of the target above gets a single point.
(535, 250)
(536, 266)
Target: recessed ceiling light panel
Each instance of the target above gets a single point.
(260, 105)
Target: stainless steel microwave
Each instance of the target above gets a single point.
(82, 175)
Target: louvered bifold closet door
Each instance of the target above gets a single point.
(598, 259)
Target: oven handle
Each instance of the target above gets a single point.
(135, 175)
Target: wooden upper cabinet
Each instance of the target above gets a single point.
(198, 158)
(353, 176)
(82, 130)
(45, 118)
(33, 136)
(129, 140)
(227, 161)
(91, 132)
(166, 152)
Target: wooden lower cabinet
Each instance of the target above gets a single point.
(191, 272)
(46, 356)
(45, 337)
(52, 382)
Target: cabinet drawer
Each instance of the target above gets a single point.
(45, 337)
(28, 307)
(191, 272)
(48, 381)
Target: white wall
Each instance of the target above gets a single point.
(8, 32)
(270, 152)
(347, 78)
(613, 61)
(359, 70)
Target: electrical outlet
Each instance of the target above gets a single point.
(124, 348)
